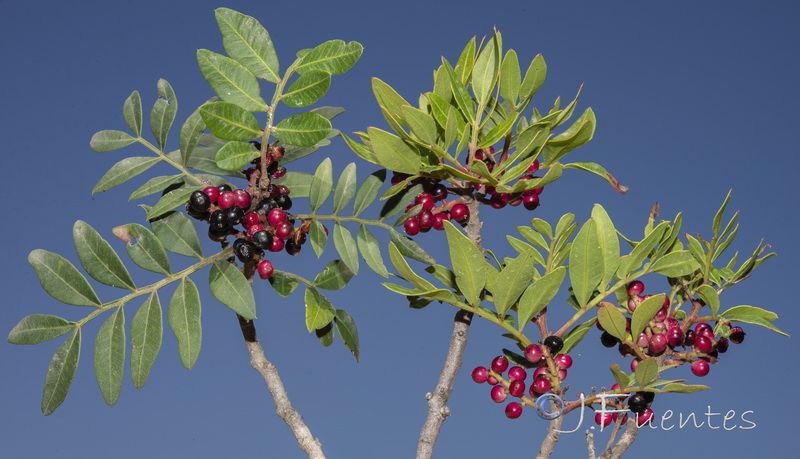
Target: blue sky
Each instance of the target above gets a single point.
(692, 99)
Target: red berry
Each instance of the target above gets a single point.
(516, 388)
(425, 219)
(265, 269)
(426, 199)
(675, 336)
(530, 202)
(241, 199)
(499, 394)
(492, 380)
(642, 341)
(634, 364)
(411, 225)
(658, 342)
(661, 315)
(513, 410)
(499, 364)
(251, 230)
(517, 372)
(250, 219)
(277, 245)
(439, 219)
(480, 375)
(689, 339)
(212, 192)
(460, 212)
(533, 353)
(498, 200)
(226, 200)
(563, 361)
(562, 374)
(540, 372)
(703, 344)
(284, 230)
(737, 335)
(700, 367)
(701, 326)
(276, 217)
(671, 322)
(644, 418)
(541, 385)
(635, 288)
(534, 166)
(604, 419)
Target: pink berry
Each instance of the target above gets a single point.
(530, 202)
(499, 364)
(265, 269)
(513, 410)
(492, 380)
(604, 419)
(703, 344)
(517, 372)
(480, 375)
(700, 367)
(658, 342)
(534, 166)
(499, 394)
(634, 364)
(540, 372)
(642, 341)
(701, 326)
(516, 388)
(645, 417)
(459, 212)
(533, 353)
(277, 245)
(563, 361)
(675, 336)
(411, 225)
(661, 315)
(226, 200)
(635, 288)
(276, 217)
(212, 192)
(671, 322)
(562, 374)
(250, 219)
(541, 385)
(241, 199)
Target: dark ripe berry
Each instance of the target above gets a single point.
(637, 403)
(689, 339)
(226, 200)
(737, 335)
(224, 187)
(604, 419)
(675, 336)
(216, 235)
(234, 215)
(635, 288)
(648, 396)
(218, 221)
(657, 344)
(608, 340)
(277, 245)
(497, 201)
(439, 219)
(438, 192)
(722, 345)
(284, 230)
(425, 219)
(533, 353)
(554, 343)
(541, 385)
(426, 199)
(195, 214)
(516, 388)
(534, 166)
(531, 202)
(480, 375)
(517, 372)
(250, 219)
(241, 199)
(513, 410)
(283, 189)
(411, 226)
(199, 201)
(284, 201)
(253, 230)
(644, 418)
(703, 344)
(265, 269)
(292, 248)
(700, 367)
(262, 240)
(499, 364)
(398, 177)
(212, 192)
(459, 212)
(499, 394)
(279, 172)
(245, 252)
(563, 361)
(276, 217)
(266, 205)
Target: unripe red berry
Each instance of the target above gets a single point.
(459, 212)
(604, 419)
(540, 372)
(212, 192)
(265, 269)
(533, 353)
(534, 166)
(642, 341)
(562, 374)
(276, 217)
(241, 199)
(635, 288)
(700, 368)
(497, 201)
(411, 226)
(701, 326)
(499, 364)
(517, 372)
(661, 315)
(480, 375)
(516, 388)
(675, 336)
(439, 219)
(541, 385)
(492, 380)
(284, 230)
(563, 361)
(658, 342)
(499, 394)
(425, 219)
(530, 202)
(426, 199)
(634, 364)
(703, 344)
(226, 200)
(671, 322)
(644, 418)
(250, 219)
(513, 410)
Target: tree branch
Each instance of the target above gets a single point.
(283, 406)
(550, 440)
(625, 441)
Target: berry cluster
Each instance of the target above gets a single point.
(435, 208)
(638, 403)
(258, 224)
(528, 198)
(551, 369)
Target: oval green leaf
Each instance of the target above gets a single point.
(178, 234)
(235, 155)
(231, 80)
(123, 171)
(184, 318)
(61, 372)
(229, 121)
(246, 40)
(147, 329)
(61, 279)
(109, 356)
(98, 258)
(38, 328)
(346, 246)
(110, 140)
(307, 89)
(303, 129)
(163, 113)
(231, 288)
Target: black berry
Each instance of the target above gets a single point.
(262, 240)
(554, 343)
(265, 205)
(218, 221)
(244, 251)
(224, 187)
(284, 202)
(637, 403)
(234, 215)
(199, 201)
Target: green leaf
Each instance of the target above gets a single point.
(389, 100)
(539, 294)
(109, 356)
(283, 283)
(510, 78)
(612, 320)
(184, 319)
(190, 134)
(177, 233)
(575, 335)
(718, 216)
(497, 133)
(231, 288)
(246, 40)
(321, 184)
(335, 276)
(609, 244)
(334, 57)
(675, 264)
(346, 246)
(468, 264)
(235, 155)
(581, 131)
(753, 315)
(155, 185)
(98, 258)
(298, 182)
(512, 281)
(163, 113)
(484, 73)
(319, 311)
(585, 263)
(622, 379)
(147, 329)
(397, 203)
(348, 332)
(402, 267)
(61, 372)
(110, 140)
(631, 262)
(229, 121)
(466, 60)
(144, 248)
(710, 297)
(123, 171)
(410, 248)
(303, 129)
(318, 237)
(177, 197)
(683, 388)
(230, 80)
(371, 251)
(421, 124)
(460, 93)
(534, 78)
(646, 372)
(644, 313)
(393, 153)
(61, 280)
(325, 335)
(307, 89)
(598, 170)
(132, 112)
(345, 188)
(38, 328)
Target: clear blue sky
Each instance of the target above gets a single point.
(692, 99)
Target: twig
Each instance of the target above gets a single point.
(550, 440)
(590, 444)
(283, 406)
(624, 442)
